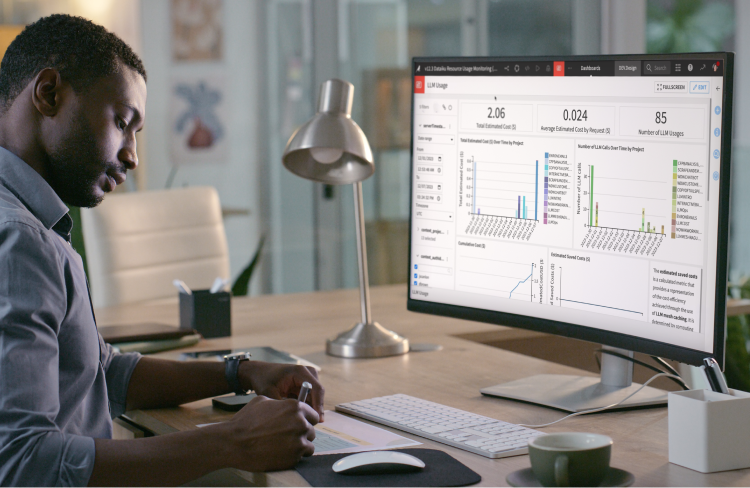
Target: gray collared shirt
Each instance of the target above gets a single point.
(60, 383)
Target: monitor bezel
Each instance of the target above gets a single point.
(567, 329)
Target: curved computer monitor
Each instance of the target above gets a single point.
(581, 196)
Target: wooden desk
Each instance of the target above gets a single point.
(300, 323)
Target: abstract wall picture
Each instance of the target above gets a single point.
(198, 120)
(197, 30)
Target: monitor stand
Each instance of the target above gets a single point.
(577, 393)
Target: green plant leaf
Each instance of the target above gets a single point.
(689, 26)
(737, 368)
(242, 283)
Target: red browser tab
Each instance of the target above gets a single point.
(419, 84)
(559, 68)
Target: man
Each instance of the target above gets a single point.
(72, 97)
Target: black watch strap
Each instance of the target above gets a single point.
(231, 372)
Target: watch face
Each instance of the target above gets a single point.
(242, 356)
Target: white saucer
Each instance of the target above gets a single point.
(524, 478)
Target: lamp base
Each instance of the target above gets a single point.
(367, 341)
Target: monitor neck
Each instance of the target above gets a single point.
(616, 372)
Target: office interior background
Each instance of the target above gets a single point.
(252, 70)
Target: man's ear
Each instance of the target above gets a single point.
(46, 93)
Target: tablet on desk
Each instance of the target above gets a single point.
(266, 353)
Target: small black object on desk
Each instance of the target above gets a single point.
(232, 403)
(208, 313)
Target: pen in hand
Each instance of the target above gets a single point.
(306, 387)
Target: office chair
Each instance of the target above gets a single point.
(138, 242)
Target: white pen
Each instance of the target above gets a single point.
(219, 284)
(182, 287)
(306, 387)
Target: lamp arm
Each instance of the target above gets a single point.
(364, 280)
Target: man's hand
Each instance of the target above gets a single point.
(265, 435)
(280, 381)
(269, 435)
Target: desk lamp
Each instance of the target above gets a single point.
(331, 148)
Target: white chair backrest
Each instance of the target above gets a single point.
(138, 242)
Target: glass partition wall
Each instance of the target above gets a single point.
(370, 43)
(290, 250)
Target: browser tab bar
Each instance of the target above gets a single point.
(677, 67)
(484, 68)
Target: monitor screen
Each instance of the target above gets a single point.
(587, 197)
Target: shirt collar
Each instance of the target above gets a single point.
(34, 192)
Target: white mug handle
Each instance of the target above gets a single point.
(561, 471)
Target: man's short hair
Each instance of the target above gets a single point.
(80, 50)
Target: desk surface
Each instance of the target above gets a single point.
(300, 324)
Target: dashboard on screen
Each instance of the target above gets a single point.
(583, 192)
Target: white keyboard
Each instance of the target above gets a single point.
(458, 428)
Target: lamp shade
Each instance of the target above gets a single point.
(330, 148)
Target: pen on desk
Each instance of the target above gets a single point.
(306, 387)
(218, 285)
(182, 287)
(714, 376)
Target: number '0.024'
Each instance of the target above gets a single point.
(495, 112)
(575, 115)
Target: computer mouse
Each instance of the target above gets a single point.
(378, 462)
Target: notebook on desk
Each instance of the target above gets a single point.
(143, 332)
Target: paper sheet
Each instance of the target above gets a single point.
(339, 434)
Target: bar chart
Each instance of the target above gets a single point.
(625, 200)
(510, 190)
(501, 188)
(646, 200)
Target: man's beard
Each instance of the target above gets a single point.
(75, 168)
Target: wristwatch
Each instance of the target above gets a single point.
(232, 369)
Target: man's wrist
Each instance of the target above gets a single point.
(232, 363)
(243, 375)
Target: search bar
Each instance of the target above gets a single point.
(657, 68)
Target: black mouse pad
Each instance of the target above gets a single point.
(441, 469)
